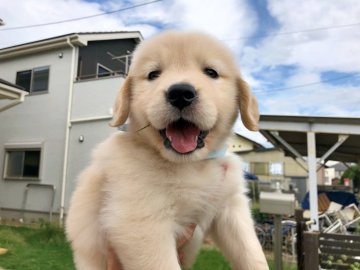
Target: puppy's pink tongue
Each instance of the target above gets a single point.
(183, 136)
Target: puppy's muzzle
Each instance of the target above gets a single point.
(181, 95)
(181, 135)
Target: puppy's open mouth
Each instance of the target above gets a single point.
(183, 136)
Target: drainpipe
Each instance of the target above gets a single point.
(67, 134)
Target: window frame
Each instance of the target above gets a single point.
(23, 147)
(32, 72)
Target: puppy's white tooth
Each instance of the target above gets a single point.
(170, 139)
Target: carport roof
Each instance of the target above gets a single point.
(328, 132)
(317, 138)
(9, 91)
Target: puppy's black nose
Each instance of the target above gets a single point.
(181, 95)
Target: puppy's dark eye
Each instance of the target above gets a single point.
(154, 75)
(211, 73)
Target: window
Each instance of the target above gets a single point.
(267, 168)
(246, 166)
(40, 79)
(35, 80)
(276, 168)
(22, 164)
(260, 168)
(23, 79)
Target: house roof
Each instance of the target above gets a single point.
(340, 167)
(329, 131)
(9, 91)
(74, 39)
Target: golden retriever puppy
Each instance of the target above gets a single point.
(145, 187)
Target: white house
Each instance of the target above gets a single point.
(71, 82)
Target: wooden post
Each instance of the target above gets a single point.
(311, 250)
(300, 228)
(278, 243)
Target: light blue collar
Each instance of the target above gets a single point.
(217, 153)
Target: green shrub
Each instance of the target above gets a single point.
(353, 173)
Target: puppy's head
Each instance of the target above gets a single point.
(186, 90)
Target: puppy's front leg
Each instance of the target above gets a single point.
(151, 247)
(233, 231)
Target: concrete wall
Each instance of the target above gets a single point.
(40, 119)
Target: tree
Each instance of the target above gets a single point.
(353, 173)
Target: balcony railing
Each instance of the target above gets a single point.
(104, 72)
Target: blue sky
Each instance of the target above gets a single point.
(299, 57)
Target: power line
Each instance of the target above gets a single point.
(249, 37)
(79, 18)
(296, 32)
(306, 84)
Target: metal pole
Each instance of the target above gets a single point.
(278, 243)
(312, 181)
(127, 65)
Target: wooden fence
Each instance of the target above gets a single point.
(328, 251)
(331, 251)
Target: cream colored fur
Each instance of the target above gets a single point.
(139, 196)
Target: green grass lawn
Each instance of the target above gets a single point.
(35, 249)
(212, 259)
(45, 248)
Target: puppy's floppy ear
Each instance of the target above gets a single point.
(122, 104)
(248, 106)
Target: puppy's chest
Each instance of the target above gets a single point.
(200, 193)
(186, 193)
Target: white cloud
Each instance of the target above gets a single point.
(309, 14)
(220, 18)
(30, 12)
(332, 49)
(323, 100)
(310, 53)
(302, 76)
(224, 19)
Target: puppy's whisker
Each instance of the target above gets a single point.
(140, 129)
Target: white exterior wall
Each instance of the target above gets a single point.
(41, 119)
(239, 144)
(91, 99)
